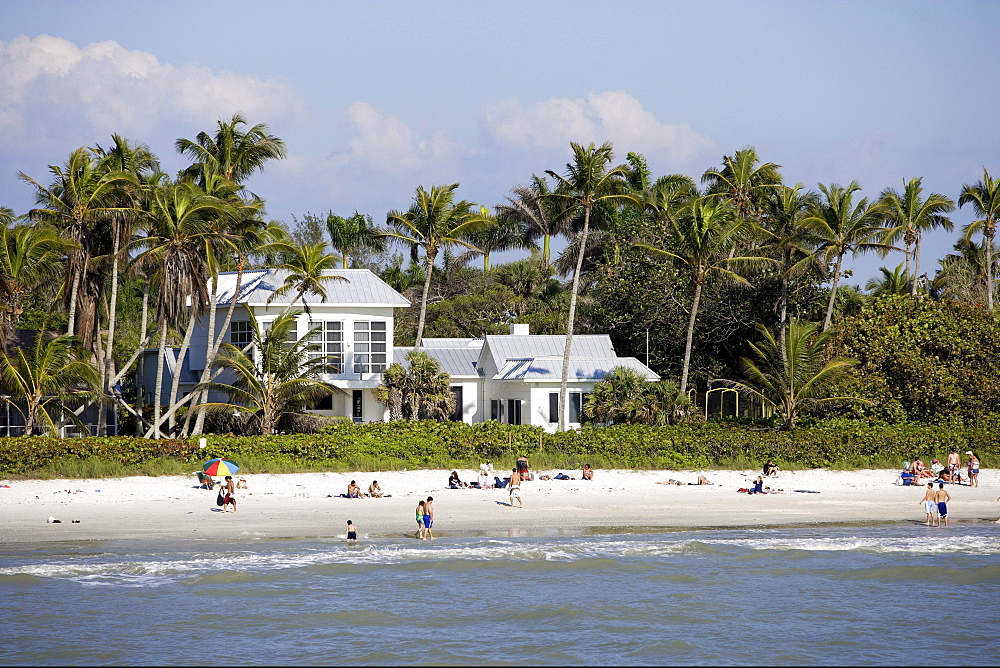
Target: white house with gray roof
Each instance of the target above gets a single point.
(514, 378)
(355, 324)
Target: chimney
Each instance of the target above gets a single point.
(519, 329)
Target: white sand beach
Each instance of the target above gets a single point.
(304, 505)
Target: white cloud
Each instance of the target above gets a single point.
(55, 95)
(612, 116)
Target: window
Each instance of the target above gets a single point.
(327, 339)
(576, 400)
(369, 346)
(459, 412)
(514, 411)
(240, 333)
(496, 409)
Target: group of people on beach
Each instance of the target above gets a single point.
(950, 472)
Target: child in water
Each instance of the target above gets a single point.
(352, 531)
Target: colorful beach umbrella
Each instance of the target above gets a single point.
(220, 467)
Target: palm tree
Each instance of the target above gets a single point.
(539, 215)
(307, 266)
(984, 197)
(502, 234)
(29, 256)
(963, 275)
(589, 182)
(838, 226)
(233, 153)
(702, 238)
(353, 235)
(280, 379)
(793, 374)
(420, 390)
(433, 222)
(609, 401)
(42, 382)
(181, 228)
(744, 181)
(784, 210)
(894, 282)
(82, 195)
(908, 216)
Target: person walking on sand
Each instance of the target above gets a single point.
(515, 488)
(930, 504)
(973, 469)
(429, 518)
(942, 498)
(420, 520)
(352, 532)
(229, 487)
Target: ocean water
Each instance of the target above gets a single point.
(859, 594)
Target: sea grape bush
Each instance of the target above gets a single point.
(833, 443)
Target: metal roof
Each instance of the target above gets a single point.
(456, 362)
(580, 368)
(452, 342)
(362, 287)
(505, 347)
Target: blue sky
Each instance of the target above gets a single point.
(375, 98)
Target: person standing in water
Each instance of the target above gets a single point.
(942, 498)
(420, 520)
(352, 532)
(429, 518)
(930, 504)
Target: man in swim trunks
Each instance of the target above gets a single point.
(522, 468)
(352, 531)
(429, 518)
(955, 466)
(942, 498)
(515, 488)
(930, 505)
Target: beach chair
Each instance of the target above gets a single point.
(205, 481)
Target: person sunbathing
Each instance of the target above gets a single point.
(353, 491)
(454, 482)
(770, 468)
(374, 490)
(588, 473)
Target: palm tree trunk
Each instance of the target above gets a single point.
(175, 385)
(112, 322)
(423, 300)
(833, 293)
(690, 336)
(216, 340)
(916, 265)
(71, 324)
(545, 248)
(570, 321)
(909, 274)
(783, 315)
(154, 431)
(989, 232)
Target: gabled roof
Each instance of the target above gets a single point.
(457, 362)
(362, 288)
(503, 347)
(580, 368)
(452, 342)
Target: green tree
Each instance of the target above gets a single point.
(353, 236)
(838, 226)
(794, 374)
(703, 238)
(908, 215)
(893, 282)
(307, 266)
(417, 390)
(588, 183)
(539, 215)
(29, 256)
(924, 360)
(433, 222)
(82, 196)
(233, 153)
(277, 377)
(984, 197)
(743, 180)
(44, 382)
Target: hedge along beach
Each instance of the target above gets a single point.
(685, 574)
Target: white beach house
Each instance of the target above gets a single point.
(513, 378)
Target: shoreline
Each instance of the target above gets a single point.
(308, 505)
